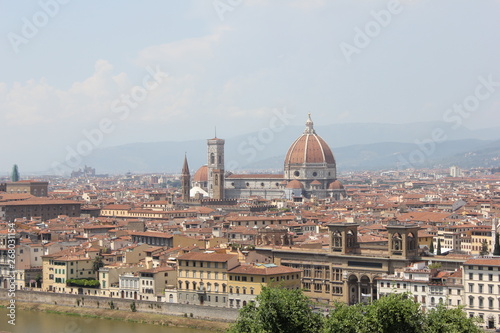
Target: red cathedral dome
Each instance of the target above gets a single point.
(309, 148)
(294, 184)
(201, 174)
(336, 185)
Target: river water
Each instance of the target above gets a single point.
(41, 322)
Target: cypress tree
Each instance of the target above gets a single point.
(439, 246)
(496, 251)
(431, 249)
(15, 174)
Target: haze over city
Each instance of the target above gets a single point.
(195, 65)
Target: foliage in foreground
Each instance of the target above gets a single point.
(281, 310)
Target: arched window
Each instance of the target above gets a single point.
(396, 242)
(350, 239)
(212, 158)
(411, 242)
(337, 239)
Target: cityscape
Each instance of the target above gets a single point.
(245, 166)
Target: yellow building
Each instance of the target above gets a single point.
(202, 277)
(480, 235)
(246, 281)
(58, 269)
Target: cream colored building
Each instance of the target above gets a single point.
(202, 277)
(246, 281)
(482, 290)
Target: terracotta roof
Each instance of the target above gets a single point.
(483, 262)
(309, 148)
(202, 256)
(263, 270)
(201, 174)
(295, 184)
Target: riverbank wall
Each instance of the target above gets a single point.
(96, 302)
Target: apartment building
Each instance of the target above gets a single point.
(482, 289)
(58, 269)
(202, 277)
(246, 281)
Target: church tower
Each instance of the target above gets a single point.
(186, 180)
(216, 168)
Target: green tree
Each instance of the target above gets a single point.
(346, 319)
(279, 310)
(97, 263)
(496, 251)
(439, 246)
(394, 313)
(484, 249)
(450, 320)
(15, 174)
(431, 248)
(38, 280)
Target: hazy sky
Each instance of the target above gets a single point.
(75, 67)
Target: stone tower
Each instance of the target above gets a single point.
(216, 168)
(343, 237)
(403, 241)
(186, 180)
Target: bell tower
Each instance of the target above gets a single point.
(216, 168)
(403, 241)
(343, 237)
(186, 181)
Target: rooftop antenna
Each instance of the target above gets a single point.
(215, 129)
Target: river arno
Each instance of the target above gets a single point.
(41, 322)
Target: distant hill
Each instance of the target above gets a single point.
(355, 146)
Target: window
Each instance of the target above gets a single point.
(471, 276)
(415, 288)
(471, 287)
(480, 288)
(480, 276)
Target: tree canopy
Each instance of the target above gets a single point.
(280, 310)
